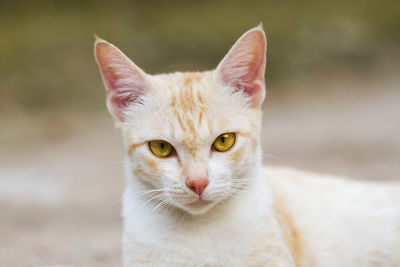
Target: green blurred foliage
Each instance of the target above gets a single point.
(46, 47)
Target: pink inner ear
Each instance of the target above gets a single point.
(124, 81)
(244, 66)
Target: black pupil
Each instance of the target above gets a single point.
(162, 145)
(222, 139)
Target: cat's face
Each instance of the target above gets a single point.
(193, 138)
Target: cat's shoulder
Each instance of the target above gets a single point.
(306, 185)
(298, 177)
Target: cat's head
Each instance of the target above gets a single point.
(193, 138)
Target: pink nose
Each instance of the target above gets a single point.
(197, 185)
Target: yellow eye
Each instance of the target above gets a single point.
(224, 142)
(161, 148)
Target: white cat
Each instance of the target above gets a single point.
(196, 192)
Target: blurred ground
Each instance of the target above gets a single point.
(61, 172)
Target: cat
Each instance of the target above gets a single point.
(197, 193)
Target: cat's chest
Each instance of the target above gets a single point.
(185, 249)
(231, 241)
(231, 246)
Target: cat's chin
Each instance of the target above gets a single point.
(200, 206)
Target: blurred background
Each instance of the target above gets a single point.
(333, 104)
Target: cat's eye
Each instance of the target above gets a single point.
(160, 148)
(224, 142)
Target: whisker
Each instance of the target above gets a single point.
(272, 156)
(240, 182)
(235, 191)
(145, 192)
(149, 200)
(240, 185)
(160, 205)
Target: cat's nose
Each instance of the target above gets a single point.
(197, 185)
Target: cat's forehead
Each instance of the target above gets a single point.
(188, 108)
(178, 83)
(187, 91)
(188, 103)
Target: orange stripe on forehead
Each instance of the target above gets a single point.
(189, 108)
(191, 77)
(192, 129)
(180, 120)
(200, 97)
(200, 117)
(186, 99)
(173, 100)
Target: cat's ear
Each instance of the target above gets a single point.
(124, 81)
(243, 67)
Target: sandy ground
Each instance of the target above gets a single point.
(61, 173)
